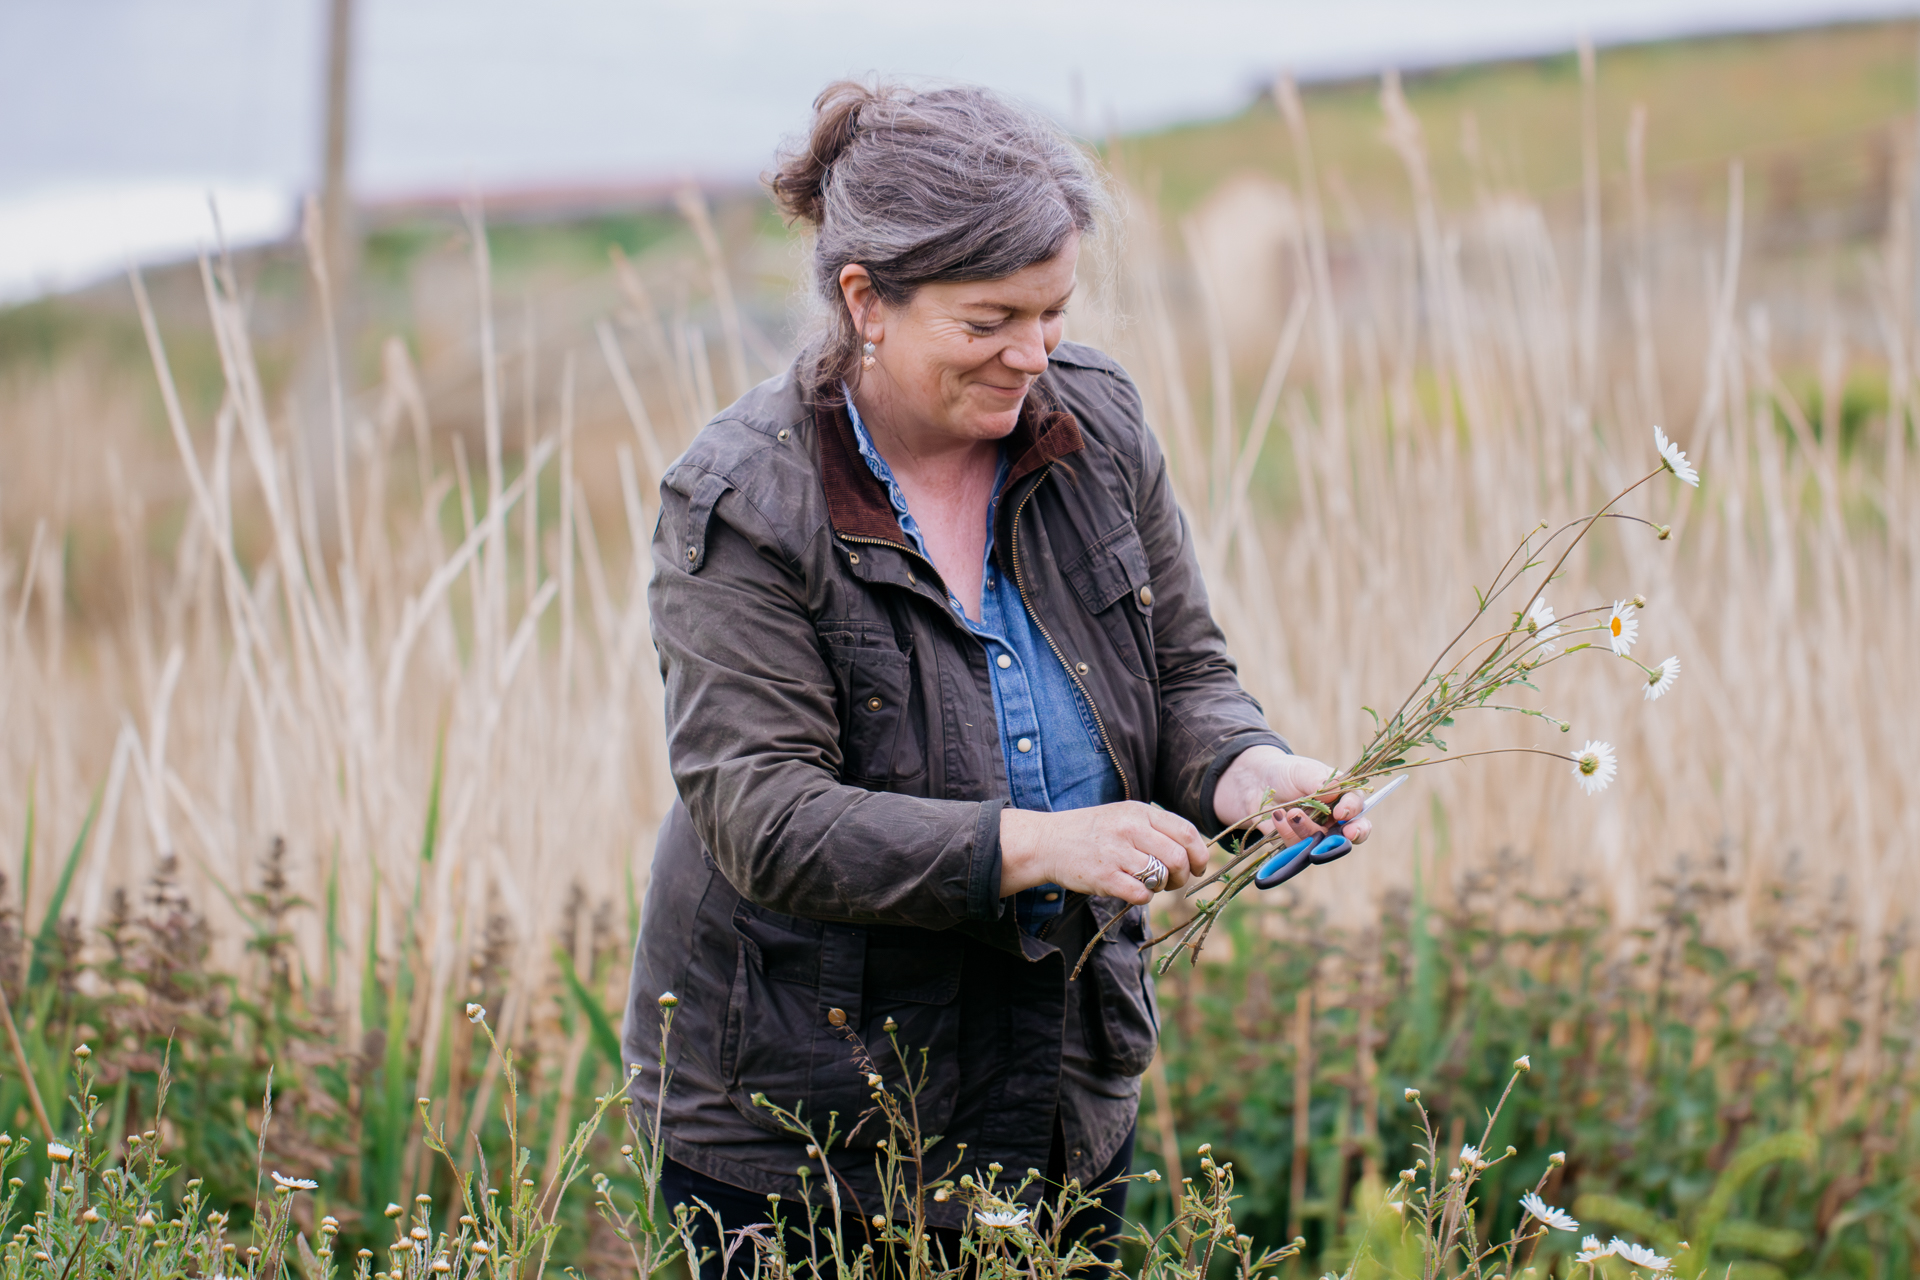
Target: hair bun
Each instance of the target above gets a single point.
(800, 183)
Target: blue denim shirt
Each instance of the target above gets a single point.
(1048, 735)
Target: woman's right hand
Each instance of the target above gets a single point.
(1099, 851)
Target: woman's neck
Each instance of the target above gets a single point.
(922, 457)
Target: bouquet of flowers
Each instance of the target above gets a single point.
(1468, 675)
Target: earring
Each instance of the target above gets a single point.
(866, 360)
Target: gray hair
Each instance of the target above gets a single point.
(949, 184)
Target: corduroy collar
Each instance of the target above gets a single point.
(857, 503)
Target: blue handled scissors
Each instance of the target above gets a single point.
(1314, 850)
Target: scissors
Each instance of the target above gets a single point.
(1325, 847)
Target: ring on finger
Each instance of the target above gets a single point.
(1153, 875)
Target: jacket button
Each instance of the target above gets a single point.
(692, 554)
(1081, 667)
(853, 557)
(836, 1017)
(783, 433)
(1146, 597)
(911, 580)
(873, 704)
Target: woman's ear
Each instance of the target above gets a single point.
(862, 302)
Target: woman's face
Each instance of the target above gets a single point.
(954, 364)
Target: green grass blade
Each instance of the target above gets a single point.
(45, 940)
(605, 1038)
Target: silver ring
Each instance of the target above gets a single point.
(1154, 875)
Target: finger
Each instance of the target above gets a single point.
(1154, 843)
(1117, 883)
(1186, 834)
(1348, 807)
(1308, 775)
(1358, 830)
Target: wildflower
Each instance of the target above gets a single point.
(285, 1183)
(668, 1000)
(1622, 628)
(145, 1220)
(873, 1079)
(481, 1247)
(476, 1013)
(1001, 1219)
(59, 1152)
(441, 1266)
(83, 1052)
(1675, 460)
(1594, 767)
(1206, 1149)
(1469, 1154)
(890, 1026)
(394, 1211)
(1557, 1159)
(1663, 531)
(91, 1216)
(1411, 1094)
(1639, 1255)
(1661, 678)
(941, 1196)
(1539, 621)
(1522, 1063)
(1591, 1250)
(1545, 1214)
(1153, 1175)
(878, 1221)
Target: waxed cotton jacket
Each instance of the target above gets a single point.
(832, 866)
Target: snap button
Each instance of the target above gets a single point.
(1053, 897)
(1004, 661)
(1146, 597)
(692, 554)
(853, 557)
(1081, 667)
(873, 704)
(911, 580)
(836, 1017)
(1076, 1153)
(1024, 745)
(783, 433)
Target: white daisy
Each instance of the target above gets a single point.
(1002, 1219)
(1539, 621)
(476, 1014)
(1594, 767)
(1639, 1255)
(1661, 678)
(293, 1184)
(1545, 1214)
(1675, 460)
(1469, 1154)
(59, 1152)
(1622, 627)
(1591, 1250)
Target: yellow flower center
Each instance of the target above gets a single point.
(1615, 624)
(1589, 764)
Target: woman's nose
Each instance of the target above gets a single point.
(1027, 353)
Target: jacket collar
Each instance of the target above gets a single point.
(857, 503)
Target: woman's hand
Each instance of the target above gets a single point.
(1098, 851)
(1259, 770)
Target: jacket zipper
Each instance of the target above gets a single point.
(1020, 585)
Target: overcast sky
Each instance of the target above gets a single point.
(109, 104)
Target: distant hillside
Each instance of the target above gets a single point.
(1820, 117)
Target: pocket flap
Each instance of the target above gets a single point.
(1113, 567)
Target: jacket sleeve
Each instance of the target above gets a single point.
(1206, 717)
(753, 737)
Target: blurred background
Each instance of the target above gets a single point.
(343, 344)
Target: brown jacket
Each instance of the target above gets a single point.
(834, 858)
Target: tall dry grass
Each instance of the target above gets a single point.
(423, 658)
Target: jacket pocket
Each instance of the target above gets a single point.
(807, 1020)
(1120, 1009)
(882, 724)
(1114, 583)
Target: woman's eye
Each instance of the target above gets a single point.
(982, 329)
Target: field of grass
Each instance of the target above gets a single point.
(324, 719)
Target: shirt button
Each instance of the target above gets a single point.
(837, 1017)
(1004, 661)
(1024, 745)
(1054, 897)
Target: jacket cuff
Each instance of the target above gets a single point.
(1210, 824)
(983, 876)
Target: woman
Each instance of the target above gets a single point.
(943, 694)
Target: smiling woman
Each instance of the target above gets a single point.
(945, 702)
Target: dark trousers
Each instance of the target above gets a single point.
(738, 1208)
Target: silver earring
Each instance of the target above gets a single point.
(866, 360)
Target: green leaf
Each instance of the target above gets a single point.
(48, 937)
(605, 1038)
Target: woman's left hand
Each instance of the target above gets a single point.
(1259, 770)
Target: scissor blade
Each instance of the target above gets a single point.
(1382, 793)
